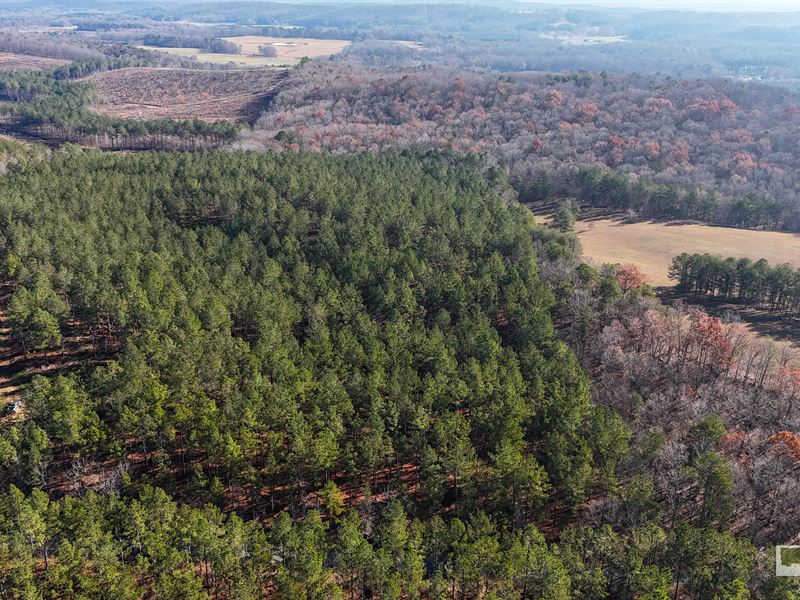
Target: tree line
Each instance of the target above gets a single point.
(751, 283)
(140, 543)
(42, 45)
(601, 188)
(708, 150)
(210, 44)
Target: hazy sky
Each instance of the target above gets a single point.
(720, 5)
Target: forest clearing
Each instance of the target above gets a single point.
(148, 93)
(242, 60)
(289, 48)
(288, 51)
(10, 61)
(653, 245)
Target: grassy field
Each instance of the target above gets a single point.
(289, 48)
(147, 93)
(243, 60)
(49, 29)
(408, 44)
(584, 40)
(652, 246)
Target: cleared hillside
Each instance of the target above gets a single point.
(10, 61)
(150, 93)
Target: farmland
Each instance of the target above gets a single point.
(583, 40)
(19, 62)
(652, 246)
(147, 93)
(289, 51)
(289, 48)
(242, 60)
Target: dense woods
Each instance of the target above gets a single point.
(716, 151)
(349, 364)
(751, 283)
(45, 46)
(233, 297)
(687, 382)
(210, 44)
(317, 377)
(674, 374)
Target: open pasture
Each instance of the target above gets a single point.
(652, 246)
(289, 48)
(148, 93)
(242, 60)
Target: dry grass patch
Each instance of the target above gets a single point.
(652, 246)
(289, 48)
(242, 60)
(408, 44)
(149, 93)
(23, 62)
(50, 29)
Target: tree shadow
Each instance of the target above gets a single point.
(777, 325)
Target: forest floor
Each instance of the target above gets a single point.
(17, 367)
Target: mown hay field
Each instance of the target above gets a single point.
(289, 48)
(652, 246)
(241, 60)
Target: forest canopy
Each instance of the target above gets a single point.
(340, 359)
(289, 321)
(712, 150)
(330, 376)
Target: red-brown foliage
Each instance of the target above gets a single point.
(721, 134)
(790, 441)
(630, 277)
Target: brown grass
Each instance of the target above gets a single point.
(652, 246)
(290, 47)
(22, 62)
(148, 93)
(238, 60)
